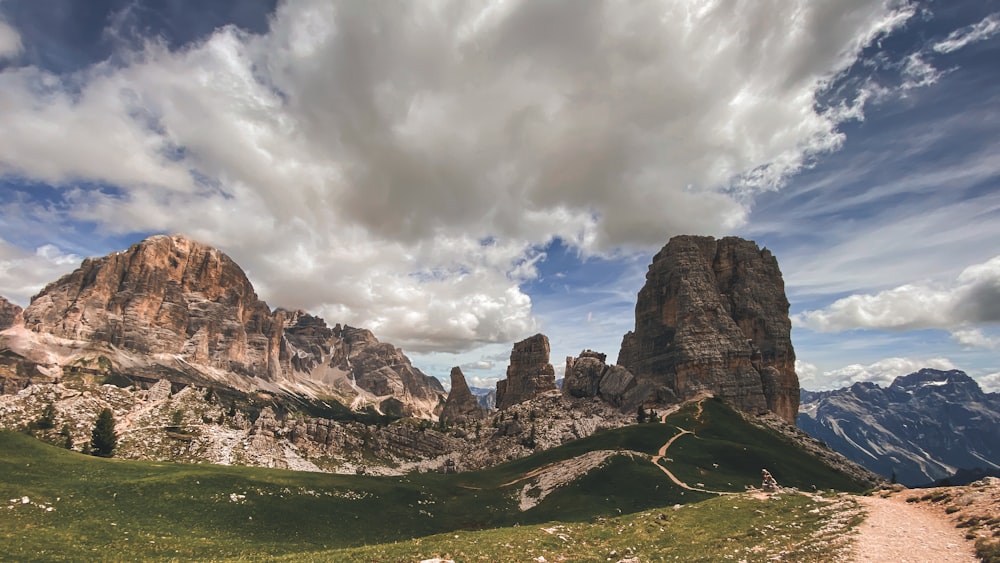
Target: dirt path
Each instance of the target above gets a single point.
(663, 451)
(901, 532)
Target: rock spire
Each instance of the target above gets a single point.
(461, 405)
(713, 316)
(529, 373)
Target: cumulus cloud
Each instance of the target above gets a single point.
(882, 372)
(990, 383)
(22, 273)
(974, 338)
(988, 27)
(973, 298)
(10, 41)
(401, 169)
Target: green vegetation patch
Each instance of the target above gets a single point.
(724, 453)
(741, 528)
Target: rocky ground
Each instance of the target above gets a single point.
(191, 425)
(940, 525)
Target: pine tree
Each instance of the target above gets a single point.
(103, 438)
(641, 415)
(48, 418)
(67, 437)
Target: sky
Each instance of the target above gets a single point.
(457, 176)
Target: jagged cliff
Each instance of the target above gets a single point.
(713, 316)
(462, 405)
(10, 314)
(529, 373)
(172, 307)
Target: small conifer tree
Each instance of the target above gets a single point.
(103, 438)
(48, 418)
(641, 415)
(67, 436)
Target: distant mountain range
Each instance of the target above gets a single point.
(924, 427)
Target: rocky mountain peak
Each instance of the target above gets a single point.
(173, 307)
(713, 316)
(169, 295)
(529, 373)
(923, 427)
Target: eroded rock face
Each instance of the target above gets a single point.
(589, 376)
(713, 316)
(167, 294)
(529, 373)
(462, 405)
(10, 314)
(169, 298)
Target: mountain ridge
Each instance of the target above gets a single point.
(923, 427)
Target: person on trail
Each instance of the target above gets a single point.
(768, 483)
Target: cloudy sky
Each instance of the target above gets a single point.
(459, 175)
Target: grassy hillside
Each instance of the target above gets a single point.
(80, 507)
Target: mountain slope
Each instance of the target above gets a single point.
(923, 427)
(143, 509)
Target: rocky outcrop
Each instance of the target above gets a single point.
(185, 311)
(461, 405)
(713, 316)
(10, 314)
(589, 376)
(529, 373)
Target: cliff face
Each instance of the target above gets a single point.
(166, 295)
(10, 314)
(529, 373)
(170, 299)
(713, 316)
(462, 405)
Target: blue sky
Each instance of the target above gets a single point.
(458, 176)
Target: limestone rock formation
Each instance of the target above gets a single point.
(589, 376)
(529, 373)
(169, 295)
(461, 405)
(713, 316)
(10, 314)
(172, 307)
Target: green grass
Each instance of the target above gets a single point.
(141, 510)
(724, 528)
(723, 439)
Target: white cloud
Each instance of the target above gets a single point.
(990, 383)
(10, 41)
(22, 273)
(988, 27)
(353, 160)
(973, 298)
(881, 372)
(974, 338)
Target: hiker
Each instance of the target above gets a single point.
(768, 483)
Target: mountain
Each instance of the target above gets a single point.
(10, 314)
(170, 307)
(713, 316)
(923, 427)
(487, 398)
